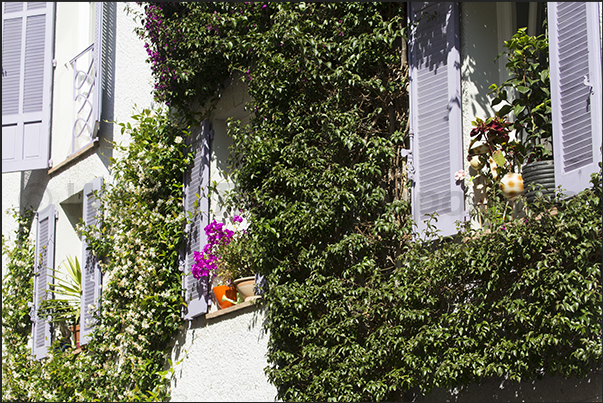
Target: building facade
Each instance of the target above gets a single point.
(70, 69)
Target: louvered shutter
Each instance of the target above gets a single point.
(575, 66)
(196, 182)
(27, 43)
(91, 272)
(98, 53)
(435, 108)
(44, 267)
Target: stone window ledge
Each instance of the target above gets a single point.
(237, 307)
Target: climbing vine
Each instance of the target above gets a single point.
(126, 358)
(357, 311)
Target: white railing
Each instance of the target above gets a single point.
(85, 100)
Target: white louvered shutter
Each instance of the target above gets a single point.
(98, 57)
(44, 268)
(27, 51)
(196, 182)
(91, 272)
(435, 108)
(575, 66)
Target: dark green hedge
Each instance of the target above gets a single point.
(357, 312)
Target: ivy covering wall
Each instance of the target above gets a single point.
(356, 310)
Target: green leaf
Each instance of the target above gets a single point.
(499, 158)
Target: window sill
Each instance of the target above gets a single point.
(238, 307)
(95, 143)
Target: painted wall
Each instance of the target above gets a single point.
(479, 48)
(222, 359)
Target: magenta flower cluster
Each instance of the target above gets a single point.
(206, 261)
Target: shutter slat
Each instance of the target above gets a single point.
(575, 60)
(435, 114)
(196, 291)
(11, 65)
(34, 63)
(44, 267)
(91, 272)
(10, 7)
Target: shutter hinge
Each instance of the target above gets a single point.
(54, 62)
(50, 163)
(410, 168)
(588, 84)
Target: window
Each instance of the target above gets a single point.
(435, 105)
(85, 206)
(29, 79)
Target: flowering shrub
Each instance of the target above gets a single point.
(142, 231)
(209, 261)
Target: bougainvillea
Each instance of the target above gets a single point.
(206, 262)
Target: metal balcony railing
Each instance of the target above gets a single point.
(85, 99)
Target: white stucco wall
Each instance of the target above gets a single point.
(222, 359)
(231, 105)
(479, 49)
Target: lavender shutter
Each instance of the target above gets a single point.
(98, 53)
(196, 182)
(44, 267)
(435, 108)
(91, 273)
(575, 66)
(27, 43)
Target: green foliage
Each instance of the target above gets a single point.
(356, 311)
(17, 293)
(142, 230)
(529, 84)
(67, 308)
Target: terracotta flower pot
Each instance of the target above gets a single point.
(245, 287)
(221, 291)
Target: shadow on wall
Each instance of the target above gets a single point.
(34, 185)
(108, 71)
(549, 389)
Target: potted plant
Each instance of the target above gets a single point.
(491, 144)
(64, 308)
(223, 259)
(529, 101)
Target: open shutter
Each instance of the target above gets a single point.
(575, 66)
(435, 108)
(27, 43)
(98, 55)
(44, 267)
(91, 272)
(196, 182)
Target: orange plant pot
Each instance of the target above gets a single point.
(224, 290)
